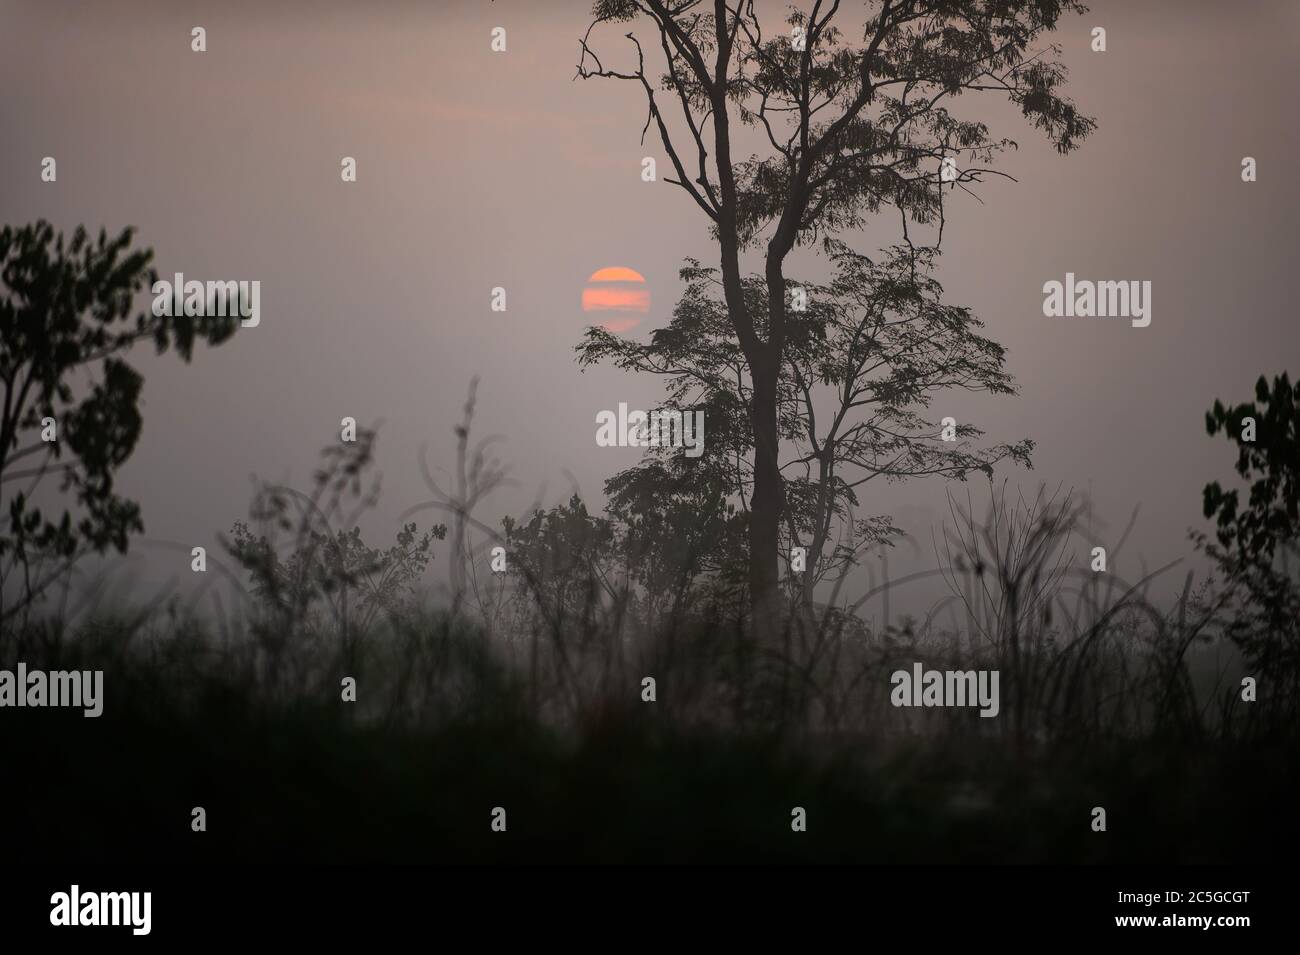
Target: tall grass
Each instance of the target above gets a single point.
(527, 687)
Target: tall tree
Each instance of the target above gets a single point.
(850, 126)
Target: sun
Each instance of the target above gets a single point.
(618, 293)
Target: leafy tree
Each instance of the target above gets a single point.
(849, 128)
(860, 371)
(65, 330)
(565, 560)
(1257, 542)
(681, 531)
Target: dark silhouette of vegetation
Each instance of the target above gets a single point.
(850, 127)
(861, 368)
(1256, 543)
(609, 686)
(309, 570)
(530, 693)
(71, 399)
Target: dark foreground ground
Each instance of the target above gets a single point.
(305, 783)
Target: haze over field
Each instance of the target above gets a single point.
(478, 170)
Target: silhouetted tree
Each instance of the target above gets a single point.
(681, 531)
(853, 127)
(1257, 543)
(860, 370)
(65, 329)
(565, 560)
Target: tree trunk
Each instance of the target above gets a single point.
(768, 504)
(765, 507)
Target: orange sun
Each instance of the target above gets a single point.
(619, 293)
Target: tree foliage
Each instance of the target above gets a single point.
(1257, 541)
(875, 347)
(854, 119)
(66, 327)
(304, 556)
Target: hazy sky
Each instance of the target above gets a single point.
(479, 169)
